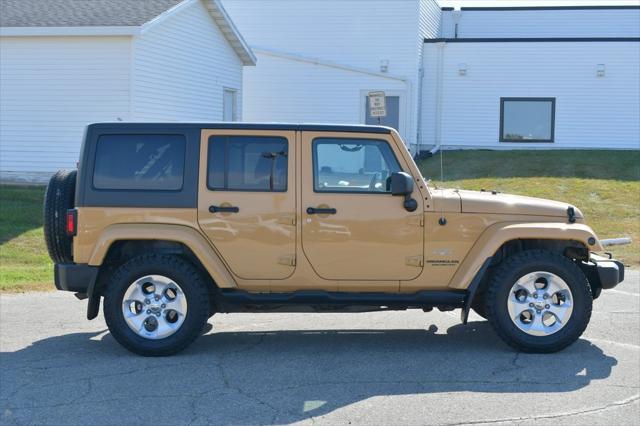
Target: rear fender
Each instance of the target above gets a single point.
(178, 233)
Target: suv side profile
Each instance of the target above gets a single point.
(171, 223)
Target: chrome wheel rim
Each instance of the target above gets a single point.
(540, 303)
(154, 307)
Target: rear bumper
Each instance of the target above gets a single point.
(78, 278)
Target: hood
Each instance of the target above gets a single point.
(492, 202)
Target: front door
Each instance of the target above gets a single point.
(246, 204)
(352, 227)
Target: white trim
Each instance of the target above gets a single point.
(329, 64)
(68, 31)
(230, 32)
(166, 14)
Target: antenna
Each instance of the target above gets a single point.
(442, 221)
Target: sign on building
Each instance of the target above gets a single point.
(377, 104)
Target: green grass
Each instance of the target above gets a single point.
(605, 185)
(24, 262)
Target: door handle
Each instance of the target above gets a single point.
(317, 210)
(223, 209)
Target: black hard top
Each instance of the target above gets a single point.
(121, 126)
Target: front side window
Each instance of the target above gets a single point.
(139, 162)
(352, 165)
(527, 119)
(247, 163)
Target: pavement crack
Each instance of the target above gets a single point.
(606, 407)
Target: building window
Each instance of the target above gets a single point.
(230, 105)
(527, 119)
(247, 163)
(139, 162)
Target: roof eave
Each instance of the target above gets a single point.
(70, 31)
(231, 32)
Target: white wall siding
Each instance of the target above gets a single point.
(430, 19)
(50, 89)
(288, 90)
(544, 23)
(591, 111)
(354, 33)
(181, 67)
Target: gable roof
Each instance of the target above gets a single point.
(81, 13)
(106, 17)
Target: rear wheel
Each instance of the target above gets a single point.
(59, 197)
(156, 305)
(538, 301)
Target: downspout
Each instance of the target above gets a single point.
(419, 101)
(439, 84)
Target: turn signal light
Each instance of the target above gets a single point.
(72, 222)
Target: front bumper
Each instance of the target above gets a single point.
(603, 273)
(79, 278)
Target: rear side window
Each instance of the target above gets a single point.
(247, 163)
(139, 162)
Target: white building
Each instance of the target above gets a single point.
(509, 77)
(66, 63)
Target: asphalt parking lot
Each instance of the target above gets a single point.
(376, 368)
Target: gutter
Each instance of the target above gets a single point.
(439, 89)
(328, 64)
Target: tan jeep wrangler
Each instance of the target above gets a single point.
(172, 223)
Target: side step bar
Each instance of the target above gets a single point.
(453, 299)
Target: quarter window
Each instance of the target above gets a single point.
(247, 163)
(527, 119)
(353, 165)
(139, 162)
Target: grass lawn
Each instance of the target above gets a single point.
(605, 185)
(24, 262)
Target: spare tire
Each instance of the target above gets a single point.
(59, 198)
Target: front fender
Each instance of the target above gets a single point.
(178, 233)
(498, 234)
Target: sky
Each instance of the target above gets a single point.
(493, 3)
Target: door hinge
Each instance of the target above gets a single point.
(289, 260)
(415, 261)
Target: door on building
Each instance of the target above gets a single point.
(393, 113)
(230, 105)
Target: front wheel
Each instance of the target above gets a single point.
(539, 301)
(156, 305)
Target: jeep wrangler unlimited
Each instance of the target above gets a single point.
(173, 223)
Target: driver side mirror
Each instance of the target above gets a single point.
(402, 184)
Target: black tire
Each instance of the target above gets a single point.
(59, 197)
(520, 264)
(182, 273)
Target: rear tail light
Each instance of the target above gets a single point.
(72, 222)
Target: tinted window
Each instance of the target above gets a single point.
(247, 163)
(527, 120)
(352, 165)
(149, 162)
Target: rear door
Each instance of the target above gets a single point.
(246, 202)
(352, 227)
